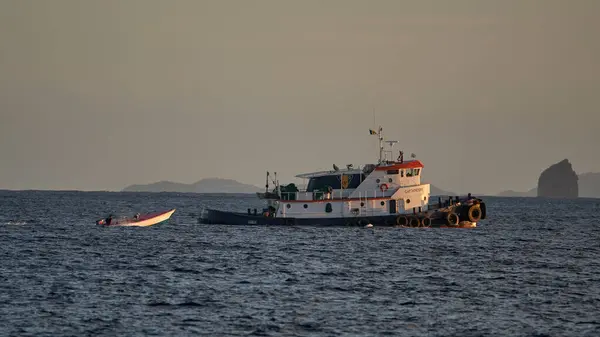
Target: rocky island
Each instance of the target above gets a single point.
(588, 186)
(558, 181)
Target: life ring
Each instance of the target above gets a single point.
(383, 187)
(426, 222)
(475, 213)
(401, 220)
(452, 219)
(414, 221)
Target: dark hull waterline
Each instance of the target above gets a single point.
(437, 219)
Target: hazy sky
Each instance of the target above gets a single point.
(96, 95)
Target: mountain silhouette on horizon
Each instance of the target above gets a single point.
(208, 185)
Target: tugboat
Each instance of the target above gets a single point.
(389, 193)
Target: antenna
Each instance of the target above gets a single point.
(380, 133)
(374, 123)
(390, 144)
(267, 184)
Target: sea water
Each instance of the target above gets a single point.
(531, 269)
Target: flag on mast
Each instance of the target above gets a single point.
(372, 132)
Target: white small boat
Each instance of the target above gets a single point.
(143, 220)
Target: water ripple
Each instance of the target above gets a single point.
(532, 269)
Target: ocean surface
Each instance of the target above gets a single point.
(531, 269)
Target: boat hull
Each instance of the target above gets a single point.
(144, 221)
(213, 216)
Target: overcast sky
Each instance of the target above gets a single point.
(96, 95)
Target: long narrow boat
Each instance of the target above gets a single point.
(143, 220)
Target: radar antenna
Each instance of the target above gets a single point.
(381, 141)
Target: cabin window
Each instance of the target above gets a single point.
(393, 171)
(335, 181)
(412, 172)
(402, 173)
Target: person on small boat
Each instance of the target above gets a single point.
(109, 220)
(136, 216)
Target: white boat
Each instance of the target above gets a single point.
(388, 193)
(143, 220)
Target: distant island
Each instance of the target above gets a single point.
(510, 193)
(216, 185)
(209, 185)
(561, 176)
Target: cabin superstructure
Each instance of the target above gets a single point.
(375, 190)
(386, 188)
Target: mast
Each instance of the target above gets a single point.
(267, 184)
(380, 134)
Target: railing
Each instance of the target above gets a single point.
(335, 194)
(303, 195)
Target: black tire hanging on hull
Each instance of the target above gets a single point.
(402, 220)
(474, 213)
(452, 219)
